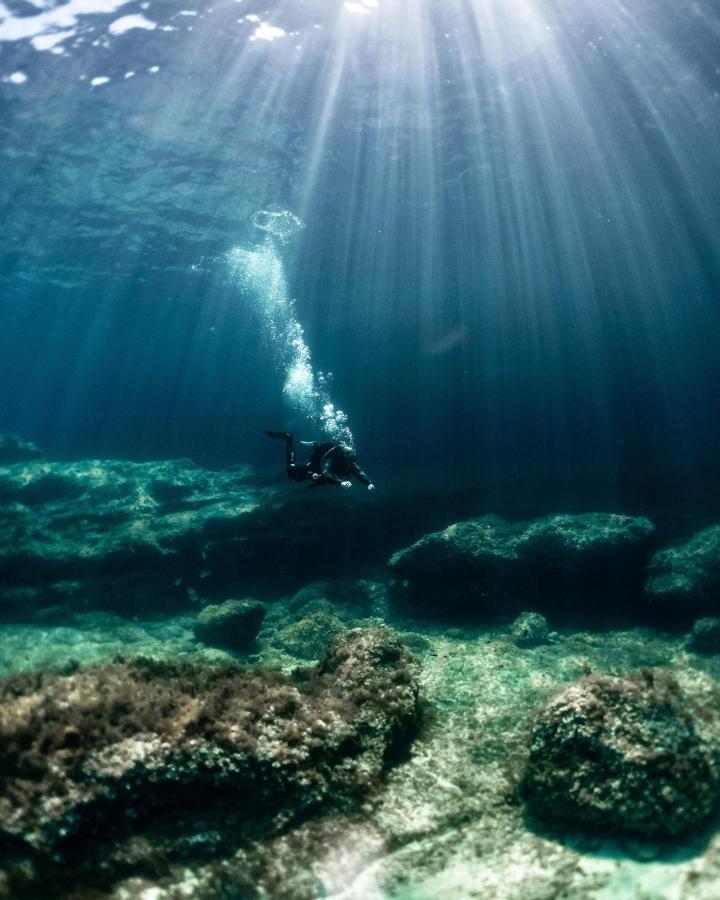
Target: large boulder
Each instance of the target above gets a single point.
(637, 754)
(133, 760)
(530, 629)
(686, 578)
(479, 560)
(233, 624)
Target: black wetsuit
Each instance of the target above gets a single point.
(331, 462)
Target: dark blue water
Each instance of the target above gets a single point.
(511, 251)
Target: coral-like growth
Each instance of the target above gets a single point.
(141, 748)
(637, 754)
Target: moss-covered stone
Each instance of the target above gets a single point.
(636, 754)
(308, 638)
(475, 562)
(234, 624)
(146, 748)
(686, 577)
(529, 630)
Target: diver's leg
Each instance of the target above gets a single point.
(297, 473)
(289, 451)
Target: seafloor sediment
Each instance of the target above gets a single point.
(365, 794)
(447, 822)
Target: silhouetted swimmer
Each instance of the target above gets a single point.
(331, 462)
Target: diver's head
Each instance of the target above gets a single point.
(347, 451)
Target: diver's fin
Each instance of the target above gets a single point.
(279, 434)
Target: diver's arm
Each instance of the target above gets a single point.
(326, 473)
(360, 475)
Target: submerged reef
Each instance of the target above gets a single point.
(186, 774)
(478, 562)
(192, 760)
(687, 576)
(634, 754)
(127, 532)
(170, 536)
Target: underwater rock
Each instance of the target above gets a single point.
(111, 756)
(687, 576)
(234, 624)
(637, 754)
(113, 529)
(14, 449)
(529, 630)
(319, 594)
(705, 636)
(308, 638)
(356, 598)
(478, 560)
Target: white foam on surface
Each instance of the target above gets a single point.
(18, 28)
(361, 6)
(127, 23)
(267, 32)
(353, 7)
(48, 41)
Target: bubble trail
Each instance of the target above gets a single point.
(260, 274)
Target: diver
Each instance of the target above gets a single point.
(331, 462)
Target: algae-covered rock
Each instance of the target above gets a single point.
(687, 576)
(529, 630)
(124, 534)
(705, 636)
(568, 542)
(200, 758)
(318, 594)
(636, 754)
(358, 597)
(234, 624)
(484, 558)
(308, 638)
(116, 516)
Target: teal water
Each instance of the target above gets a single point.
(479, 242)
